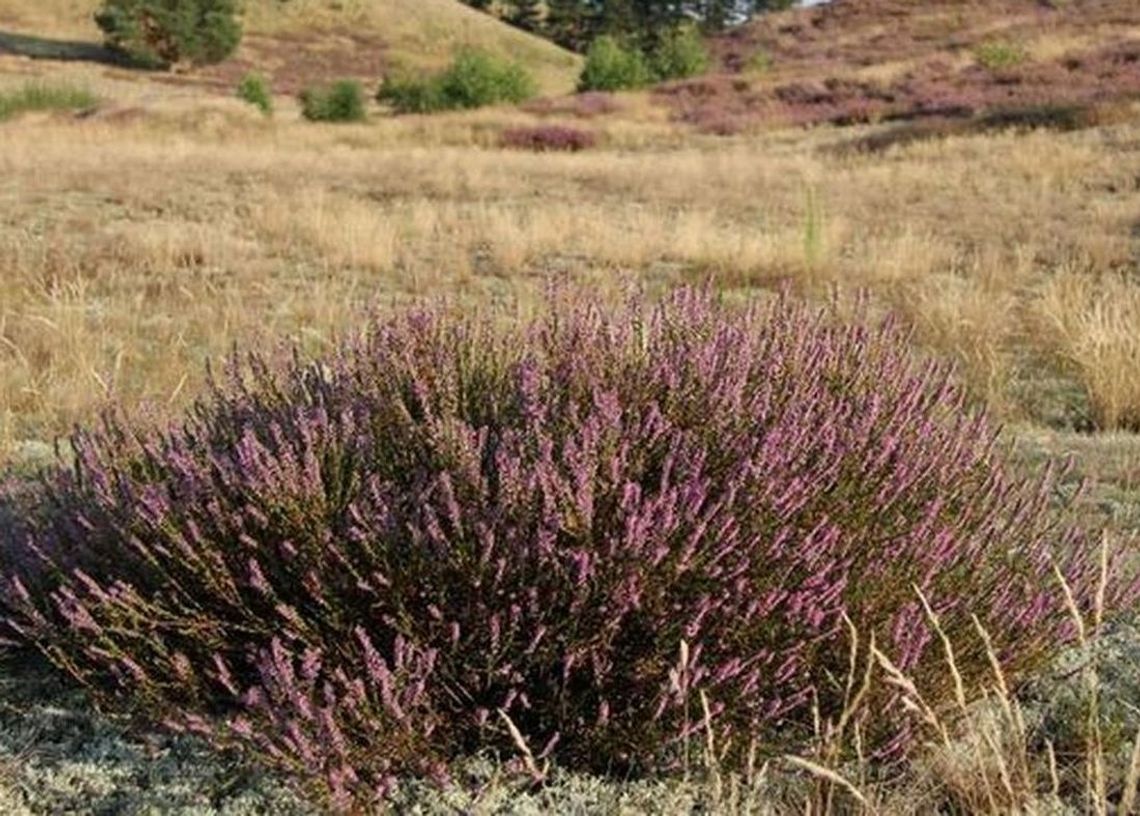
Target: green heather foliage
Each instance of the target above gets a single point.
(760, 62)
(254, 89)
(612, 66)
(679, 54)
(165, 32)
(999, 54)
(351, 566)
(45, 96)
(342, 101)
(473, 80)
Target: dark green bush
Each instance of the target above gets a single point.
(343, 101)
(407, 93)
(164, 32)
(473, 80)
(612, 66)
(681, 53)
(254, 89)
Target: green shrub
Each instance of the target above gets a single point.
(998, 54)
(39, 96)
(343, 101)
(407, 93)
(612, 66)
(164, 32)
(254, 89)
(680, 53)
(474, 79)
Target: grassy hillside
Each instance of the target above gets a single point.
(303, 41)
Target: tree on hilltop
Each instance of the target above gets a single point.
(162, 33)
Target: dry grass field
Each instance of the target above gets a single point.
(144, 239)
(135, 245)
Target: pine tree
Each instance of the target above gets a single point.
(165, 32)
(525, 14)
(572, 24)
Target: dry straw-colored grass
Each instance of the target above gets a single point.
(133, 248)
(1093, 322)
(978, 756)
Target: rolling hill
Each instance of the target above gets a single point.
(305, 41)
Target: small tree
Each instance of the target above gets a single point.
(476, 78)
(165, 32)
(611, 66)
(570, 23)
(680, 53)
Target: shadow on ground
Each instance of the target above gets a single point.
(24, 45)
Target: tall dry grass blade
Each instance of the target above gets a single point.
(912, 699)
(948, 648)
(528, 757)
(1054, 778)
(679, 682)
(1101, 587)
(1096, 792)
(712, 761)
(1000, 761)
(832, 777)
(852, 703)
(1009, 705)
(1071, 605)
(1132, 782)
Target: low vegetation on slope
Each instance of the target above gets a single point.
(311, 41)
(854, 62)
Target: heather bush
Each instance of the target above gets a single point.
(254, 89)
(548, 137)
(342, 101)
(1069, 93)
(164, 32)
(612, 66)
(362, 566)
